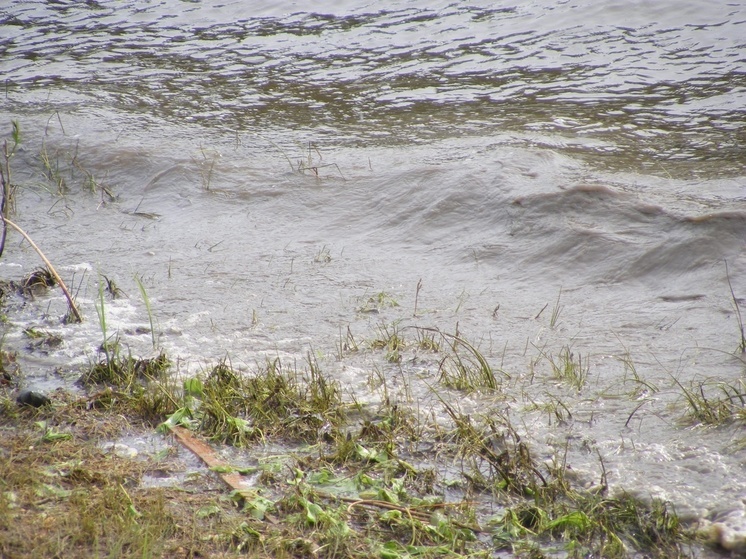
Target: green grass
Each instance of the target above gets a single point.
(242, 407)
(713, 402)
(390, 339)
(463, 366)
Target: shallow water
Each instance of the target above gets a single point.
(555, 174)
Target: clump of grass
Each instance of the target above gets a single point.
(53, 172)
(124, 371)
(346, 344)
(390, 339)
(570, 370)
(323, 256)
(113, 290)
(594, 526)
(464, 367)
(239, 408)
(378, 303)
(554, 407)
(498, 457)
(705, 408)
(641, 386)
(39, 279)
(115, 368)
(207, 166)
(426, 341)
(42, 339)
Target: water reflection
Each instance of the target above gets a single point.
(658, 83)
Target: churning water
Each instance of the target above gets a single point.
(557, 175)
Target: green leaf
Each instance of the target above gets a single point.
(258, 507)
(208, 510)
(194, 387)
(313, 512)
(52, 436)
(182, 416)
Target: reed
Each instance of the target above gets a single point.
(739, 319)
(146, 300)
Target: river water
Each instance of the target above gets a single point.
(555, 176)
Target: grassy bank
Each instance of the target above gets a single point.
(343, 480)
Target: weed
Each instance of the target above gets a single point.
(464, 367)
(417, 296)
(377, 303)
(309, 164)
(496, 453)
(52, 170)
(707, 409)
(567, 368)
(556, 311)
(554, 407)
(90, 183)
(346, 344)
(6, 180)
(426, 341)
(390, 340)
(323, 256)
(207, 166)
(641, 386)
(570, 370)
(146, 300)
(238, 408)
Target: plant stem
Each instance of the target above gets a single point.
(61, 283)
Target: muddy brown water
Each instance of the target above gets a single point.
(284, 172)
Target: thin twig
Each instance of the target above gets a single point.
(57, 277)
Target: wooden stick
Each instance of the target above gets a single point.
(57, 277)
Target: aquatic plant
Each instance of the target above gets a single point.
(391, 340)
(323, 256)
(346, 344)
(556, 311)
(207, 166)
(377, 303)
(6, 180)
(463, 367)
(146, 300)
(417, 296)
(569, 369)
(705, 408)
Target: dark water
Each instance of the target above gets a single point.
(646, 84)
(556, 174)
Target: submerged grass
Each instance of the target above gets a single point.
(713, 402)
(464, 367)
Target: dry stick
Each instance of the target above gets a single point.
(61, 283)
